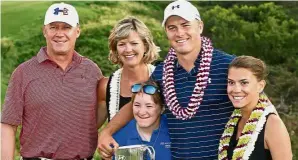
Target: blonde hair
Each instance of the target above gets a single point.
(255, 65)
(121, 31)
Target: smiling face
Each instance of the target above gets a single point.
(146, 111)
(184, 36)
(61, 37)
(244, 88)
(131, 49)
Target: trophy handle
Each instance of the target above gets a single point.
(151, 152)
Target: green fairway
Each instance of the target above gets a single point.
(18, 16)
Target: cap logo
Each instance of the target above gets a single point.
(64, 11)
(173, 7)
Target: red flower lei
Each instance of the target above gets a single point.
(201, 82)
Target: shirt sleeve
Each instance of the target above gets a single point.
(13, 107)
(99, 74)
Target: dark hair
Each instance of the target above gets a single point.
(255, 65)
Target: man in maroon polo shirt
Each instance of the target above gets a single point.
(53, 96)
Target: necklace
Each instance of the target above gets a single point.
(201, 82)
(251, 130)
(141, 135)
(115, 90)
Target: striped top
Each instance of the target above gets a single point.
(198, 137)
(56, 108)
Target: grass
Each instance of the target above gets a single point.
(17, 16)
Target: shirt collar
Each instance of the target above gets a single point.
(163, 123)
(177, 66)
(43, 56)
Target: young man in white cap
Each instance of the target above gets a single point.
(53, 96)
(193, 78)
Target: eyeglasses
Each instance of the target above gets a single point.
(147, 88)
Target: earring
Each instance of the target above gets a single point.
(117, 55)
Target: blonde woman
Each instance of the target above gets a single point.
(132, 48)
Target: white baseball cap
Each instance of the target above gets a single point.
(62, 12)
(183, 9)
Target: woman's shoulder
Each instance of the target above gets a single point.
(274, 121)
(277, 138)
(275, 127)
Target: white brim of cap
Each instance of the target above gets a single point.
(186, 17)
(57, 19)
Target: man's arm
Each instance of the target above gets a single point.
(106, 144)
(12, 112)
(8, 134)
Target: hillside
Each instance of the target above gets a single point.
(266, 30)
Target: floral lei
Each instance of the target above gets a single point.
(115, 90)
(249, 135)
(201, 82)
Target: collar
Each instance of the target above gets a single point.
(163, 124)
(43, 56)
(195, 69)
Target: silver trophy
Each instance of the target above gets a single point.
(135, 152)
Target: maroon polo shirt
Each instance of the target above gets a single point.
(56, 108)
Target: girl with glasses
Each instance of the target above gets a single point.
(133, 50)
(254, 131)
(149, 126)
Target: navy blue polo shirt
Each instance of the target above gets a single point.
(198, 137)
(160, 139)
